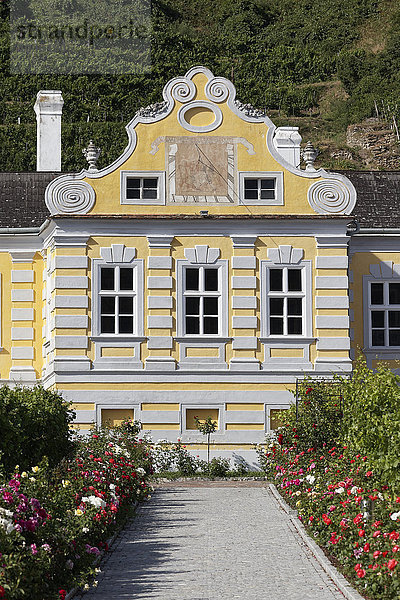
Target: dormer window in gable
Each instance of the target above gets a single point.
(143, 187)
(261, 188)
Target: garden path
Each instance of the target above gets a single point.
(212, 541)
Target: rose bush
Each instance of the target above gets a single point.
(53, 523)
(174, 460)
(337, 464)
(344, 507)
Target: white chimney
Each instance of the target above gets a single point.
(48, 109)
(287, 141)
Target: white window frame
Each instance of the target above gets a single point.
(195, 432)
(277, 175)
(137, 292)
(306, 294)
(160, 175)
(369, 307)
(268, 408)
(222, 293)
(117, 406)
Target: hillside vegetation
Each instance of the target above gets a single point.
(319, 64)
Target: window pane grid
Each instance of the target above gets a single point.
(142, 188)
(285, 301)
(117, 300)
(201, 301)
(384, 310)
(262, 188)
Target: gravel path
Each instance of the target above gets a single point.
(212, 542)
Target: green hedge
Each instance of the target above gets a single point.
(272, 50)
(34, 423)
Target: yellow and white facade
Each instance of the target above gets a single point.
(201, 273)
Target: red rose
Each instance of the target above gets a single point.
(376, 534)
(361, 573)
(309, 390)
(2, 591)
(392, 563)
(326, 519)
(280, 439)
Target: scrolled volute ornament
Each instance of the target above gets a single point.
(218, 89)
(331, 196)
(70, 197)
(181, 89)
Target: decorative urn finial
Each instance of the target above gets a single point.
(309, 154)
(92, 154)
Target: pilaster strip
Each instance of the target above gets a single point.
(24, 314)
(160, 346)
(244, 347)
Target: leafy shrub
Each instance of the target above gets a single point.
(34, 423)
(347, 494)
(217, 467)
(319, 417)
(372, 419)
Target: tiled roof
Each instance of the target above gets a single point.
(22, 198)
(378, 198)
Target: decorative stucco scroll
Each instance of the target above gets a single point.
(181, 89)
(331, 196)
(218, 89)
(69, 197)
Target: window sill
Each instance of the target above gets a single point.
(202, 339)
(274, 339)
(117, 338)
(383, 350)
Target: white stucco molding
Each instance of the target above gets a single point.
(332, 196)
(208, 106)
(384, 269)
(335, 194)
(118, 253)
(285, 254)
(202, 254)
(68, 195)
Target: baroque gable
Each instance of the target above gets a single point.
(201, 147)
